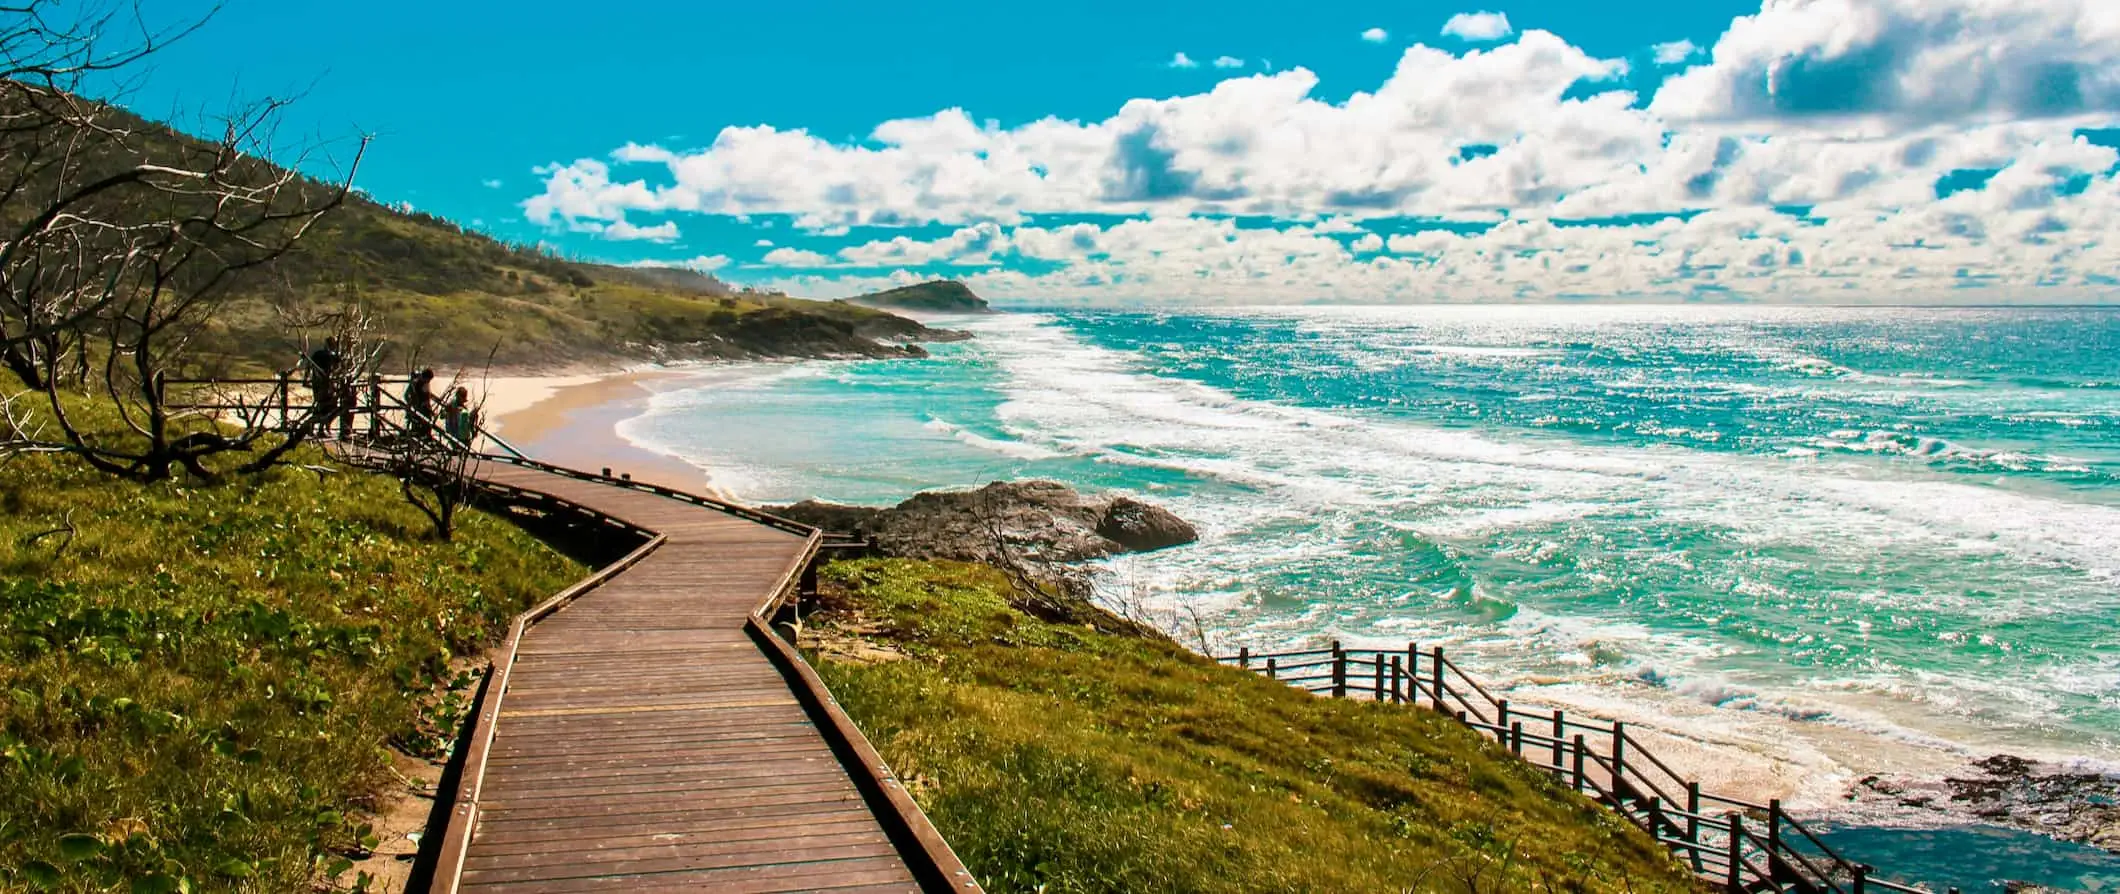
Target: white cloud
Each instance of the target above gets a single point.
(1376, 35)
(1910, 61)
(701, 264)
(796, 257)
(975, 245)
(1182, 61)
(1228, 62)
(1534, 127)
(1676, 52)
(1478, 27)
(763, 243)
(622, 231)
(491, 184)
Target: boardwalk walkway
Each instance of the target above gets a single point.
(648, 739)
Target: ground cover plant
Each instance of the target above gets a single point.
(199, 685)
(1058, 758)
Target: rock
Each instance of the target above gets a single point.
(2067, 804)
(829, 516)
(1141, 527)
(1038, 521)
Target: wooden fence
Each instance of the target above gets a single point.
(1743, 846)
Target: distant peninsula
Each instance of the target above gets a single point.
(939, 296)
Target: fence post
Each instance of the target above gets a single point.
(1862, 878)
(1413, 673)
(1339, 671)
(1244, 657)
(1398, 696)
(1378, 668)
(1440, 686)
(1619, 758)
(1737, 837)
(1501, 716)
(1656, 818)
(1579, 749)
(1693, 820)
(1774, 839)
(375, 405)
(281, 391)
(1516, 738)
(1560, 728)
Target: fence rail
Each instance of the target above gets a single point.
(1743, 846)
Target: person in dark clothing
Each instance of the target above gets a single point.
(419, 404)
(323, 376)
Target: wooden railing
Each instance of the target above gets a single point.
(1738, 844)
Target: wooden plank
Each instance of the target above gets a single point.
(749, 857)
(647, 743)
(810, 876)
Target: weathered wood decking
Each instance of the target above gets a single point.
(653, 735)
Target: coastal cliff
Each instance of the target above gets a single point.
(939, 296)
(451, 295)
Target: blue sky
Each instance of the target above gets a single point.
(1337, 151)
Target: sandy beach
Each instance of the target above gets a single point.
(572, 419)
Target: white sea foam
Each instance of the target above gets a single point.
(1016, 449)
(1276, 486)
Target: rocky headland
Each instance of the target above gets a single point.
(2071, 805)
(1042, 528)
(940, 296)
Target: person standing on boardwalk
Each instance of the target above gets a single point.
(419, 404)
(459, 417)
(323, 375)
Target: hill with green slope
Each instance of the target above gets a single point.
(940, 296)
(446, 294)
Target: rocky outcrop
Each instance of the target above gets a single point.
(1030, 521)
(2066, 804)
(941, 296)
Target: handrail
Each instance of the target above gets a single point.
(1628, 776)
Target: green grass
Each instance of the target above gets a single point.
(1056, 758)
(198, 688)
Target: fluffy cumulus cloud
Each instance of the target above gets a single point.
(1376, 35)
(1914, 62)
(1799, 157)
(1478, 26)
(1228, 62)
(1675, 53)
(1181, 60)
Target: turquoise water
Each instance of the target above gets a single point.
(1804, 543)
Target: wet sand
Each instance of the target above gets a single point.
(572, 420)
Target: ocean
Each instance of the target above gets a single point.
(1803, 545)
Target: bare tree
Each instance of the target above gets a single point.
(122, 242)
(435, 461)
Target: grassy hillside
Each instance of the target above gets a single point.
(198, 685)
(455, 296)
(1057, 758)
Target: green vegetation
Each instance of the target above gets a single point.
(1058, 758)
(445, 294)
(940, 296)
(198, 686)
(451, 295)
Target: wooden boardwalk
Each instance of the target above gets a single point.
(653, 735)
